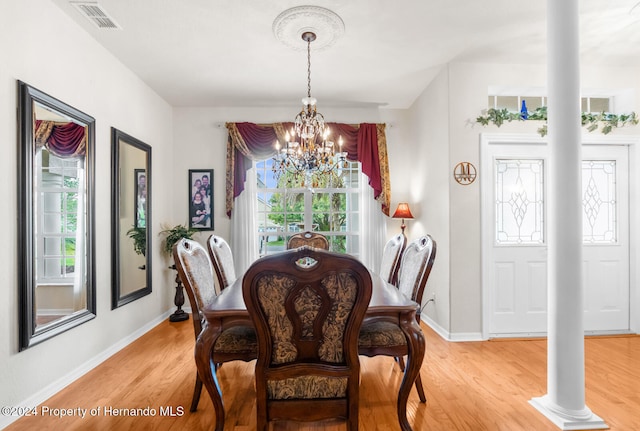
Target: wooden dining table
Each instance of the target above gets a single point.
(387, 303)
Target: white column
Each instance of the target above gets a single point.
(564, 403)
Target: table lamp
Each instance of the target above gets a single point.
(402, 212)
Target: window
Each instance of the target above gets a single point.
(533, 102)
(514, 103)
(595, 104)
(57, 195)
(329, 206)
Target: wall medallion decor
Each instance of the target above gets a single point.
(465, 173)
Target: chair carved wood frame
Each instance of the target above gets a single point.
(235, 343)
(307, 306)
(222, 260)
(312, 239)
(391, 258)
(381, 337)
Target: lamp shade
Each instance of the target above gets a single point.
(402, 211)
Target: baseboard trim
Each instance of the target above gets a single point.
(466, 336)
(64, 381)
(449, 336)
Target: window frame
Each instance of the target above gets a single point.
(352, 210)
(61, 209)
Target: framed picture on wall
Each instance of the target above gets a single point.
(201, 199)
(140, 196)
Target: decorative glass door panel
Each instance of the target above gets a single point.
(599, 202)
(519, 201)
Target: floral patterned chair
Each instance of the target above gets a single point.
(196, 272)
(222, 259)
(391, 257)
(307, 306)
(312, 239)
(379, 337)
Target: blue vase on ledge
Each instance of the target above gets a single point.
(524, 114)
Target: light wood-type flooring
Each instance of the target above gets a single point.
(471, 386)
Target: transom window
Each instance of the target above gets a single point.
(533, 102)
(324, 203)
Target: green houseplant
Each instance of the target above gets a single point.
(172, 236)
(139, 237)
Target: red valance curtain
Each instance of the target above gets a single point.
(61, 139)
(366, 143)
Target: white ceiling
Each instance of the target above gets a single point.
(224, 53)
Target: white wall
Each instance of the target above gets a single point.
(425, 166)
(44, 48)
(469, 84)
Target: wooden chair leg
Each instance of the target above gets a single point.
(352, 423)
(262, 424)
(420, 389)
(418, 383)
(196, 394)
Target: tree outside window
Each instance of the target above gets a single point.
(288, 205)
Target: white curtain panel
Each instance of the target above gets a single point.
(244, 238)
(373, 232)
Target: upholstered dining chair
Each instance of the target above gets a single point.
(379, 337)
(307, 306)
(312, 239)
(390, 263)
(222, 260)
(196, 273)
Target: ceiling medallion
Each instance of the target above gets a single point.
(290, 25)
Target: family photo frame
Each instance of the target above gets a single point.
(140, 196)
(201, 199)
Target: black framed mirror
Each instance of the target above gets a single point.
(56, 251)
(131, 214)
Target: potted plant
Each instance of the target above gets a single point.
(175, 234)
(139, 237)
(172, 236)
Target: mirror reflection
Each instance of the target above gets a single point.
(57, 289)
(131, 163)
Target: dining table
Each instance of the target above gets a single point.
(387, 303)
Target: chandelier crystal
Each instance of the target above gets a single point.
(308, 148)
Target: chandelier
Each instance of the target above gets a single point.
(308, 148)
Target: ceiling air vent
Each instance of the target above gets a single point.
(94, 13)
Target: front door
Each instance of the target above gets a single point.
(605, 227)
(515, 242)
